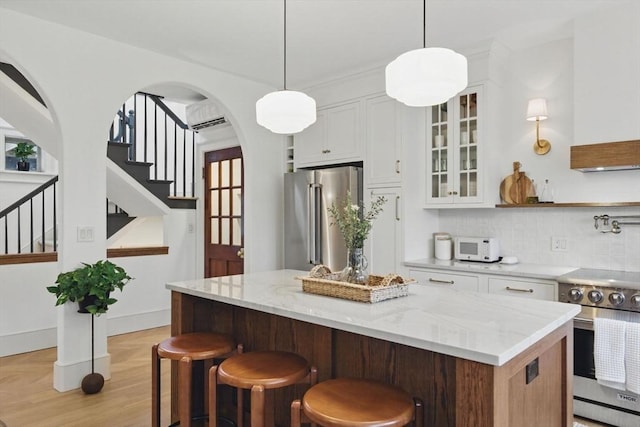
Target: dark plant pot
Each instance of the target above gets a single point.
(23, 166)
(86, 301)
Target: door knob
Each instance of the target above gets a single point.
(241, 253)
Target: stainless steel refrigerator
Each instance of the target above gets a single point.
(308, 237)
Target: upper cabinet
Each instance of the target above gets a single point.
(383, 138)
(335, 137)
(454, 145)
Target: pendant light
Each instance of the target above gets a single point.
(285, 111)
(427, 76)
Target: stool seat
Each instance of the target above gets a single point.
(356, 402)
(270, 369)
(196, 345)
(259, 371)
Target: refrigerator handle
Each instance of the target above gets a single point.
(312, 256)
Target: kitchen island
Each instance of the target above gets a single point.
(474, 359)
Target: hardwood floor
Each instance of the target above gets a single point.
(27, 397)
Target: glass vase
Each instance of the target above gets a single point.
(356, 269)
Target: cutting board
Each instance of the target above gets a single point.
(515, 188)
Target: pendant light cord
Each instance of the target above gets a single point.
(424, 23)
(284, 67)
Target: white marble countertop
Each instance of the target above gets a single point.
(535, 271)
(485, 328)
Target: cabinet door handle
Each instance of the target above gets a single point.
(397, 166)
(397, 208)
(446, 282)
(529, 291)
(326, 151)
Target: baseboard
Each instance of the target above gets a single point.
(69, 377)
(138, 322)
(24, 342)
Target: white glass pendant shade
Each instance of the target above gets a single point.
(286, 111)
(537, 109)
(427, 76)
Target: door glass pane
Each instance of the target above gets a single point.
(473, 105)
(463, 185)
(237, 232)
(224, 173)
(214, 231)
(226, 202)
(237, 202)
(444, 186)
(463, 106)
(225, 231)
(213, 175)
(473, 184)
(237, 172)
(214, 203)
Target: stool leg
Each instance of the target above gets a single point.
(419, 412)
(257, 406)
(184, 391)
(295, 413)
(240, 407)
(155, 386)
(213, 400)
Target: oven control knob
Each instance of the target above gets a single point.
(595, 296)
(616, 298)
(635, 300)
(575, 294)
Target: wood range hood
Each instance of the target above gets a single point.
(607, 156)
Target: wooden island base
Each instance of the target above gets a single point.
(455, 391)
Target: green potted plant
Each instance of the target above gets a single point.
(90, 286)
(22, 151)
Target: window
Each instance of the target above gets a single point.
(10, 160)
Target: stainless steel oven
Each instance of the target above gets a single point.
(602, 293)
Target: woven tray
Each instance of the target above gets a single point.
(378, 288)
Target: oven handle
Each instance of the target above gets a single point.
(583, 323)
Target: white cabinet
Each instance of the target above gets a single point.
(443, 278)
(385, 237)
(335, 137)
(383, 141)
(523, 287)
(454, 144)
(526, 288)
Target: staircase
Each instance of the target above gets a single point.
(155, 133)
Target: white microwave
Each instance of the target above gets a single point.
(484, 249)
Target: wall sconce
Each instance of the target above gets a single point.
(537, 110)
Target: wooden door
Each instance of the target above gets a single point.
(224, 212)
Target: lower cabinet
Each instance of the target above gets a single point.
(480, 282)
(385, 238)
(540, 289)
(443, 278)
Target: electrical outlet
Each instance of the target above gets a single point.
(559, 244)
(85, 234)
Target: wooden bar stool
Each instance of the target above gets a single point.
(356, 402)
(185, 349)
(258, 371)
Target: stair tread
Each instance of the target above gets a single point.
(135, 163)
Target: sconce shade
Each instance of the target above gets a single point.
(426, 77)
(286, 111)
(537, 109)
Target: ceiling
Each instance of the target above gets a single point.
(325, 38)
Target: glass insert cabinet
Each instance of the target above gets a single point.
(453, 147)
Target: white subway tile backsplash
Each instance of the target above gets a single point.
(526, 233)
